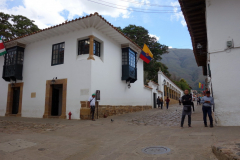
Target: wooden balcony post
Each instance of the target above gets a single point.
(91, 40)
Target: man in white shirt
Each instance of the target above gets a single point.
(91, 103)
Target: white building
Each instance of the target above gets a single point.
(214, 29)
(52, 72)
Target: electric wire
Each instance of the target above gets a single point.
(131, 9)
(148, 4)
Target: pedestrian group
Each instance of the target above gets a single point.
(207, 101)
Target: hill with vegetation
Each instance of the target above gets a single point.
(181, 63)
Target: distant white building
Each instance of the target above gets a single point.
(52, 72)
(214, 29)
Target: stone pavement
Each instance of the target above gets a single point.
(123, 139)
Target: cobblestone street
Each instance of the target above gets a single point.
(160, 117)
(123, 139)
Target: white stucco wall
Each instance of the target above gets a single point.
(161, 78)
(106, 77)
(223, 25)
(103, 74)
(3, 90)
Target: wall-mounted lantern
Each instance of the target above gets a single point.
(128, 84)
(199, 48)
(164, 82)
(53, 80)
(12, 84)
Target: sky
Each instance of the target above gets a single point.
(169, 28)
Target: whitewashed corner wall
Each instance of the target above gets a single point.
(223, 25)
(82, 75)
(3, 90)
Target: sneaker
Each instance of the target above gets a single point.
(93, 120)
(211, 125)
(206, 125)
(189, 126)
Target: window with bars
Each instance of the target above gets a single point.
(58, 53)
(125, 58)
(96, 48)
(83, 47)
(13, 64)
(132, 58)
(129, 65)
(20, 57)
(10, 57)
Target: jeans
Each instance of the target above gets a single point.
(161, 104)
(189, 120)
(207, 110)
(92, 111)
(167, 104)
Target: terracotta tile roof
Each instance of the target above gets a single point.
(95, 14)
(147, 86)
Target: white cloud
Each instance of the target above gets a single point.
(157, 37)
(178, 15)
(170, 47)
(48, 12)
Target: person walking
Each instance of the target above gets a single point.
(179, 101)
(192, 104)
(91, 103)
(198, 100)
(207, 101)
(158, 102)
(161, 102)
(167, 102)
(193, 107)
(187, 102)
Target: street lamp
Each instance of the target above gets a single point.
(164, 82)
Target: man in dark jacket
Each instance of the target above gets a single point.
(187, 110)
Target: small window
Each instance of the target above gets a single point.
(20, 57)
(96, 48)
(125, 58)
(83, 47)
(132, 58)
(10, 58)
(58, 53)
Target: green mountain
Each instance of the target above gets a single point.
(181, 63)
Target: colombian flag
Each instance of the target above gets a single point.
(146, 55)
(2, 48)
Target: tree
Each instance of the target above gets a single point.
(13, 26)
(182, 83)
(140, 36)
(22, 26)
(5, 26)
